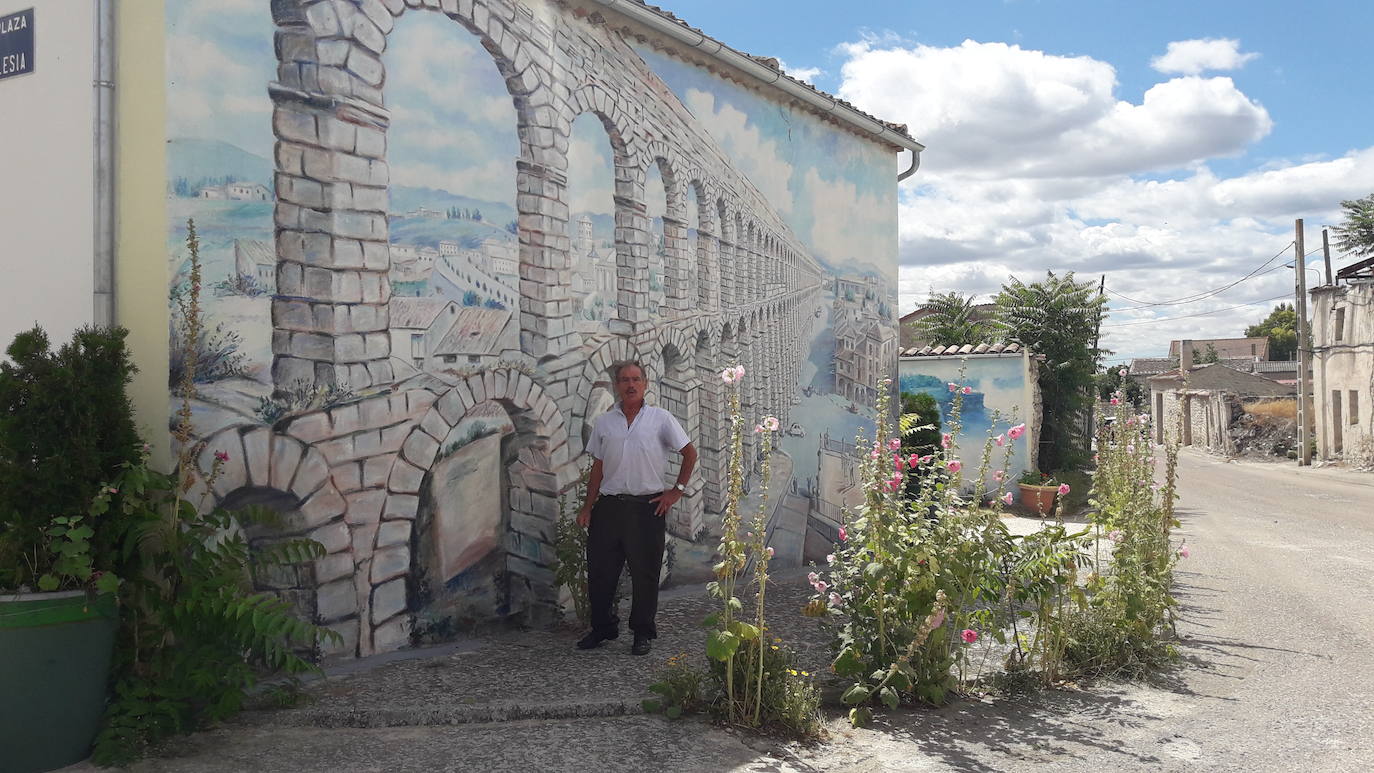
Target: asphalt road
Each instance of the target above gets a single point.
(1276, 674)
(1277, 641)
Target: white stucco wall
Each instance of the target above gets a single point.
(46, 175)
(1343, 371)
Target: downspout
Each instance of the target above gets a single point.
(103, 300)
(915, 164)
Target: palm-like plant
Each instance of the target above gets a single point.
(951, 321)
(1355, 234)
(1057, 318)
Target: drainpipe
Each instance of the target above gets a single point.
(915, 164)
(103, 301)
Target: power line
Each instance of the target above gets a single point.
(1205, 294)
(1198, 314)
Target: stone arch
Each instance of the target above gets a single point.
(291, 478)
(330, 311)
(539, 473)
(706, 248)
(595, 374)
(676, 260)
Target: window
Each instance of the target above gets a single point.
(450, 358)
(417, 344)
(1252, 350)
(1354, 417)
(474, 359)
(1340, 324)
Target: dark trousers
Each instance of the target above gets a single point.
(625, 531)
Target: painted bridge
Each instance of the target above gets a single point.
(739, 290)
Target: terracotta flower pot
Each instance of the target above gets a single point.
(1038, 498)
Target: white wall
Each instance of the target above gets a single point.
(46, 175)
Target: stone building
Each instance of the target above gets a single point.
(1343, 365)
(1199, 410)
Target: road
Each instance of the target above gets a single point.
(1276, 674)
(1277, 644)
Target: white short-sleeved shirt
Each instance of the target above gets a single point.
(633, 457)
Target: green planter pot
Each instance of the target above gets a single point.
(54, 663)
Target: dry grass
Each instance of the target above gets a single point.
(1282, 408)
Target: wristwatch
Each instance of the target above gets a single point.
(680, 487)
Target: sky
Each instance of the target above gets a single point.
(1166, 145)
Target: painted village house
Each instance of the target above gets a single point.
(447, 404)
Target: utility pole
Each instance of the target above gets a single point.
(1326, 255)
(1304, 442)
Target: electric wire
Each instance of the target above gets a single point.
(1205, 294)
(1197, 314)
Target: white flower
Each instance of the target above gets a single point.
(728, 375)
(771, 424)
(830, 559)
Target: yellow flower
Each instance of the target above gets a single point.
(792, 671)
(774, 646)
(805, 674)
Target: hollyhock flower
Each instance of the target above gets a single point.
(1130, 448)
(844, 535)
(891, 485)
(998, 475)
(898, 462)
(1130, 422)
(112, 489)
(835, 600)
(913, 460)
(820, 586)
(813, 578)
(1017, 431)
(969, 636)
(771, 424)
(769, 550)
(968, 390)
(758, 428)
(875, 454)
(1007, 498)
(926, 459)
(953, 387)
(1121, 373)
(830, 559)
(1114, 535)
(739, 372)
(1183, 551)
(1063, 489)
(1000, 440)
(954, 465)
(887, 381)
(728, 375)
(221, 456)
(937, 619)
(894, 443)
(1116, 401)
(946, 440)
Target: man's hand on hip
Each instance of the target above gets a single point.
(665, 501)
(584, 516)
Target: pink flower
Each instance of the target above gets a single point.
(876, 453)
(1116, 401)
(1122, 373)
(953, 387)
(1130, 422)
(758, 428)
(954, 465)
(1114, 535)
(112, 489)
(1130, 448)
(771, 424)
(968, 390)
(221, 456)
(1006, 498)
(887, 381)
(835, 600)
(813, 578)
(913, 461)
(937, 619)
(926, 459)
(1017, 431)
(892, 485)
(998, 475)
(770, 551)
(969, 636)
(739, 372)
(946, 440)
(830, 559)
(820, 586)
(1000, 440)
(146, 448)
(844, 535)
(1183, 551)
(898, 462)
(728, 375)
(894, 443)
(1063, 489)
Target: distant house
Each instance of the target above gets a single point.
(1251, 348)
(865, 350)
(473, 340)
(1343, 363)
(417, 326)
(236, 192)
(1207, 400)
(256, 260)
(212, 192)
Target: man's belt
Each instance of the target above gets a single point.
(632, 497)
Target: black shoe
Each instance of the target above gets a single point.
(641, 646)
(595, 639)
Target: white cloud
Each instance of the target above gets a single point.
(759, 159)
(846, 225)
(591, 176)
(808, 74)
(1191, 57)
(993, 110)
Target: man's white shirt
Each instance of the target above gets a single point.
(633, 457)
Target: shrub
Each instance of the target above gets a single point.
(65, 427)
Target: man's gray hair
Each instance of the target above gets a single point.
(623, 364)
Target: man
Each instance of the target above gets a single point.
(626, 507)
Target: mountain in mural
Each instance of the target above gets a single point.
(193, 159)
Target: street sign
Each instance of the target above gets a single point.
(16, 44)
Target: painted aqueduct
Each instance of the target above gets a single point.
(353, 476)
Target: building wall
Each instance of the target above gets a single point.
(1343, 371)
(1200, 418)
(730, 216)
(47, 187)
(1004, 394)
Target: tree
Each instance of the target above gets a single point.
(1355, 234)
(1111, 382)
(922, 441)
(1057, 318)
(471, 298)
(951, 321)
(1280, 327)
(1208, 356)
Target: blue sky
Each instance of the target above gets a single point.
(1071, 136)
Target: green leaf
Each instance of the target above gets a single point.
(651, 705)
(874, 570)
(746, 631)
(847, 663)
(47, 582)
(108, 583)
(720, 645)
(674, 712)
(889, 697)
(661, 688)
(856, 694)
(858, 717)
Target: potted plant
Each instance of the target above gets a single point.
(1038, 491)
(65, 427)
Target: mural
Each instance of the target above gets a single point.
(1003, 395)
(427, 233)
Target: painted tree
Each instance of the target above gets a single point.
(1355, 234)
(1057, 318)
(1280, 327)
(951, 321)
